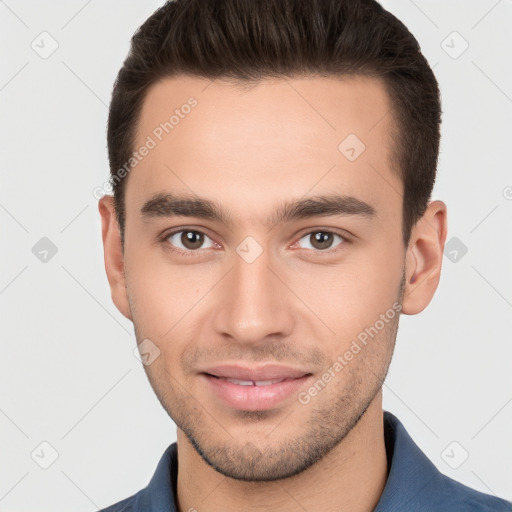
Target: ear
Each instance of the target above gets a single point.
(113, 255)
(424, 258)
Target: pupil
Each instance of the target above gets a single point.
(322, 240)
(192, 239)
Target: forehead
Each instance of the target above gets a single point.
(277, 137)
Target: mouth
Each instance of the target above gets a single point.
(253, 394)
(251, 382)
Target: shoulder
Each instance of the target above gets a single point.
(415, 483)
(159, 493)
(447, 493)
(125, 505)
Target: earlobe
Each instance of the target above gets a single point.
(113, 255)
(424, 258)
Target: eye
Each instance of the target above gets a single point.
(321, 240)
(189, 240)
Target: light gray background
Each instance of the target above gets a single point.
(68, 375)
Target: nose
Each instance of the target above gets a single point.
(253, 302)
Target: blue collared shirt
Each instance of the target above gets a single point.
(414, 484)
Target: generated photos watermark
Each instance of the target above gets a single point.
(151, 142)
(362, 339)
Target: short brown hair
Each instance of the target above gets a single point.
(250, 40)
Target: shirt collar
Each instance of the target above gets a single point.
(410, 472)
(161, 490)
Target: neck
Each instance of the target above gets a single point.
(351, 477)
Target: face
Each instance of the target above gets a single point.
(263, 241)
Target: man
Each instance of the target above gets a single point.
(272, 164)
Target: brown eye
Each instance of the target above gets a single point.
(321, 240)
(192, 239)
(189, 240)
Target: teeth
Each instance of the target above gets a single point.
(241, 382)
(254, 383)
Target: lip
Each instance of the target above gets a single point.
(260, 373)
(254, 397)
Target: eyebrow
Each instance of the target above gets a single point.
(170, 205)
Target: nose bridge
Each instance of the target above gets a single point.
(252, 305)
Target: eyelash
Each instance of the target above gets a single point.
(191, 253)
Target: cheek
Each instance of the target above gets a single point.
(154, 291)
(352, 295)
(164, 296)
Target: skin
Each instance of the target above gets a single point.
(251, 150)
